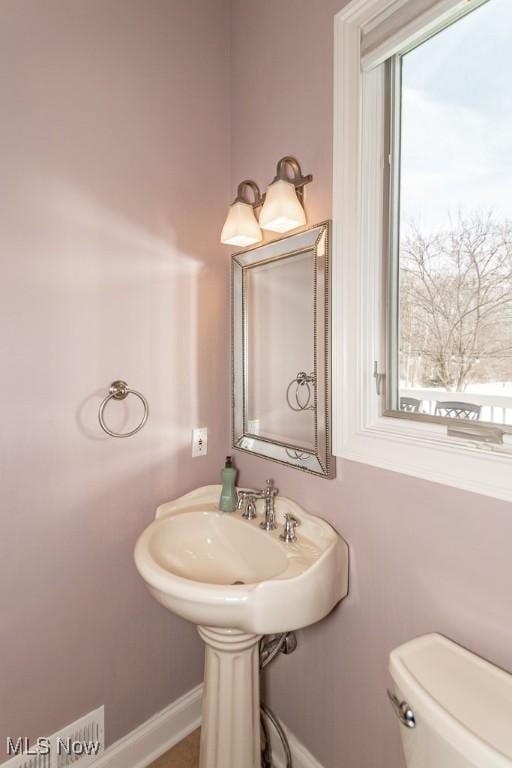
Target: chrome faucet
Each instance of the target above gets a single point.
(290, 524)
(247, 503)
(269, 494)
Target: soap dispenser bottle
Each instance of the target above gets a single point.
(228, 495)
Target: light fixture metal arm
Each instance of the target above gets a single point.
(298, 179)
(241, 194)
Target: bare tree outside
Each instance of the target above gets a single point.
(453, 209)
(456, 304)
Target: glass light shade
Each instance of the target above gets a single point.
(241, 227)
(282, 210)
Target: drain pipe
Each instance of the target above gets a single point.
(266, 748)
(270, 647)
(266, 761)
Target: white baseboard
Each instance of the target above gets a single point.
(165, 729)
(158, 734)
(301, 757)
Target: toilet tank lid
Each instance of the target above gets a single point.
(469, 698)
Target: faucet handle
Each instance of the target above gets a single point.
(242, 499)
(250, 508)
(290, 524)
(269, 488)
(244, 495)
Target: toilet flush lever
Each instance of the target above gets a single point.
(403, 711)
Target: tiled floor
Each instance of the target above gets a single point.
(183, 755)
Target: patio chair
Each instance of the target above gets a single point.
(456, 410)
(410, 404)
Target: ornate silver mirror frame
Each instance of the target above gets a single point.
(309, 388)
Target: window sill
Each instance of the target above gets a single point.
(424, 451)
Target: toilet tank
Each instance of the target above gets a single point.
(460, 704)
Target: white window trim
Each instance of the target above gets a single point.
(359, 433)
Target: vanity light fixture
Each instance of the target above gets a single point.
(283, 209)
(283, 206)
(241, 227)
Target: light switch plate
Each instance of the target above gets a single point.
(199, 441)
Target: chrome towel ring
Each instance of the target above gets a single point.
(304, 392)
(119, 390)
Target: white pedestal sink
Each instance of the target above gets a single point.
(237, 582)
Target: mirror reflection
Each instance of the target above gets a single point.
(280, 398)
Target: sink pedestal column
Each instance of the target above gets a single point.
(230, 735)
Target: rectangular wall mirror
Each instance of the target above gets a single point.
(281, 372)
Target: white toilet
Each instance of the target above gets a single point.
(455, 708)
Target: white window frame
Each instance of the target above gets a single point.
(360, 433)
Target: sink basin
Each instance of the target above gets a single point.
(217, 569)
(238, 582)
(213, 548)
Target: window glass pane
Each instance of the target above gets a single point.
(455, 215)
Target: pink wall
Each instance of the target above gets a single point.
(114, 158)
(424, 557)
